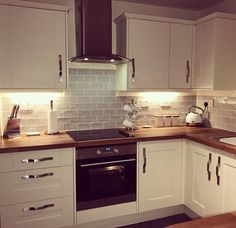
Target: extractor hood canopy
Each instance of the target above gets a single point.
(93, 21)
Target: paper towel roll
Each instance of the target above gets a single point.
(52, 122)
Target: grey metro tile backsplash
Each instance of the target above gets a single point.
(90, 102)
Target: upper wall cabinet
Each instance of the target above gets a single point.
(33, 45)
(180, 73)
(161, 48)
(215, 52)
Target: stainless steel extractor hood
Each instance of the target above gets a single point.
(93, 21)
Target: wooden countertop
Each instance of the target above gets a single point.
(219, 221)
(207, 136)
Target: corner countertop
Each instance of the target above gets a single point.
(206, 136)
(227, 220)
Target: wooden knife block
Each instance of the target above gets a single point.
(12, 129)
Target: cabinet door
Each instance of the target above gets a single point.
(181, 39)
(148, 44)
(51, 213)
(227, 176)
(5, 44)
(202, 194)
(204, 44)
(225, 54)
(37, 48)
(159, 174)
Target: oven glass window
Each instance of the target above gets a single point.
(105, 183)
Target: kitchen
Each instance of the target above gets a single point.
(91, 101)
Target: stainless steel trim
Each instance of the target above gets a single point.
(38, 208)
(35, 160)
(110, 162)
(37, 176)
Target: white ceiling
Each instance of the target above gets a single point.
(183, 4)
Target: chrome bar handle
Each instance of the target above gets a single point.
(217, 171)
(208, 167)
(107, 163)
(35, 160)
(37, 176)
(144, 160)
(188, 71)
(38, 208)
(133, 72)
(60, 67)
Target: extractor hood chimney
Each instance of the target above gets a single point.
(93, 21)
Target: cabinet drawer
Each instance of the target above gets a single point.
(48, 213)
(36, 159)
(39, 184)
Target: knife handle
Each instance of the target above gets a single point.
(13, 112)
(17, 110)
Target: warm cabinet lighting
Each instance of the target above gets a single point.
(159, 96)
(32, 98)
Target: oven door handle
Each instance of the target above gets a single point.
(105, 163)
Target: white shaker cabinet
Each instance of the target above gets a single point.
(148, 43)
(162, 51)
(209, 180)
(34, 46)
(201, 191)
(180, 70)
(215, 52)
(38, 188)
(5, 55)
(159, 174)
(226, 182)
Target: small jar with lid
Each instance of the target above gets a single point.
(159, 121)
(175, 120)
(168, 121)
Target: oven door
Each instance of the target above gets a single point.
(106, 181)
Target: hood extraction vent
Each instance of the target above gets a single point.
(93, 21)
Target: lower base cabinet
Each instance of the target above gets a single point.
(47, 213)
(159, 174)
(209, 180)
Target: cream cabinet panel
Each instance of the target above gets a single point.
(227, 177)
(38, 48)
(31, 185)
(215, 53)
(181, 42)
(159, 174)
(36, 159)
(203, 70)
(225, 54)
(47, 213)
(202, 193)
(33, 46)
(5, 44)
(148, 44)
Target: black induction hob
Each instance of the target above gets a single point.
(97, 134)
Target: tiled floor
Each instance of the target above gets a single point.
(161, 223)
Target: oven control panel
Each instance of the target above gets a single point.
(108, 150)
(104, 151)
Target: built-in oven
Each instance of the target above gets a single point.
(105, 175)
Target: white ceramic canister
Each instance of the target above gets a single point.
(159, 121)
(167, 121)
(175, 120)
